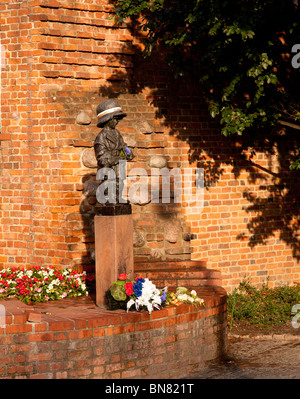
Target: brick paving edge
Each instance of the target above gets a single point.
(277, 337)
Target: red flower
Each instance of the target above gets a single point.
(122, 276)
(128, 288)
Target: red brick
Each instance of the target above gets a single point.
(144, 326)
(104, 321)
(61, 336)
(6, 360)
(41, 337)
(61, 325)
(170, 321)
(18, 328)
(35, 317)
(98, 332)
(158, 324)
(33, 357)
(130, 328)
(80, 334)
(41, 327)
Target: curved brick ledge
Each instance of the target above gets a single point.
(73, 338)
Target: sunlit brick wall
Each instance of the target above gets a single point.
(62, 58)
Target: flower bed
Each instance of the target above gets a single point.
(41, 284)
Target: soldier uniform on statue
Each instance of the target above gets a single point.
(110, 149)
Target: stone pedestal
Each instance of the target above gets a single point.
(113, 246)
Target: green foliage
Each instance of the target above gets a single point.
(262, 306)
(296, 163)
(239, 50)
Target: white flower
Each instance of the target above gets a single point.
(142, 301)
(148, 288)
(182, 297)
(130, 303)
(55, 282)
(194, 293)
(149, 307)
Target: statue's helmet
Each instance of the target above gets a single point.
(108, 109)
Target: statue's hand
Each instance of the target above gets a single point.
(128, 153)
(130, 157)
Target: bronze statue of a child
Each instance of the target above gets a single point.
(110, 147)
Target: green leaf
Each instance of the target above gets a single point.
(118, 293)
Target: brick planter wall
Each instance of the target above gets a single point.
(81, 341)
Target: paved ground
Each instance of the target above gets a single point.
(262, 357)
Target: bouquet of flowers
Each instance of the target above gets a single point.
(183, 295)
(142, 294)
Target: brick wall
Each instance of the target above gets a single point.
(64, 57)
(170, 343)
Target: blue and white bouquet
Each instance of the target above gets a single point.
(146, 295)
(142, 294)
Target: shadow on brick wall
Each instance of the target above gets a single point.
(273, 206)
